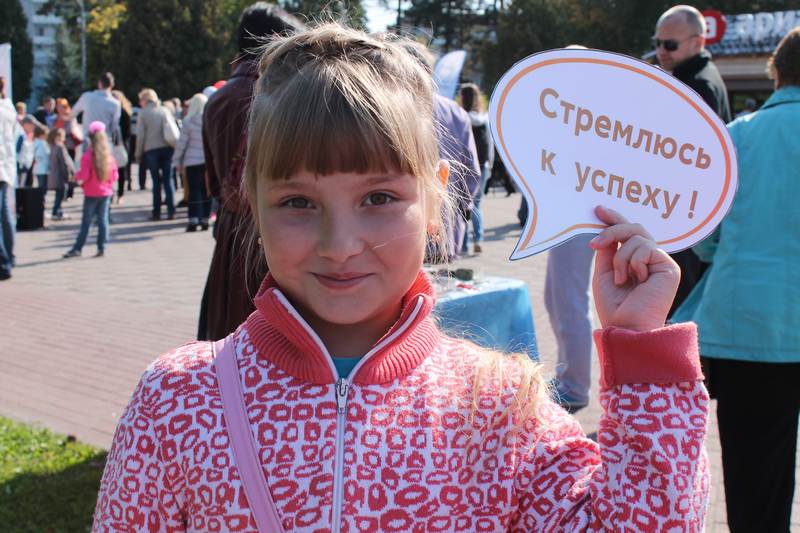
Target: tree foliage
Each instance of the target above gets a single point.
(14, 30)
(176, 47)
(528, 26)
(350, 12)
(451, 22)
(64, 78)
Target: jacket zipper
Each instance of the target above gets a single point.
(342, 388)
(341, 391)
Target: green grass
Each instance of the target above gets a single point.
(48, 482)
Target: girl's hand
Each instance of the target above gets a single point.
(634, 281)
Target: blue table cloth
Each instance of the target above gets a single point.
(496, 313)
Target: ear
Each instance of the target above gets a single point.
(443, 172)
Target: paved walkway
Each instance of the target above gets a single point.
(79, 332)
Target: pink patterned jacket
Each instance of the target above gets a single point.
(394, 448)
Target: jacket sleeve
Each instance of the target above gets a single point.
(141, 132)
(648, 470)
(135, 493)
(84, 172)
(69, 164)
(181, 146)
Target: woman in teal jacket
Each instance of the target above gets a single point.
(747, 307)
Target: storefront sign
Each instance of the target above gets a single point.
(751, 33)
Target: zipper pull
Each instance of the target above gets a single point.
(342, 387)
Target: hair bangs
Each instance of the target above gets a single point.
(325, 122)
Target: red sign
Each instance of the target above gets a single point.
(716, 25)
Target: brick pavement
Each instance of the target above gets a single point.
(81, 331)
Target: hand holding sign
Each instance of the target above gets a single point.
(581, 128)
(634, 281)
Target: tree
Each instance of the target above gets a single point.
(350, 12)
(64, 78)
(14, 30)
(453, 22)
(176, 47)
(525, 27)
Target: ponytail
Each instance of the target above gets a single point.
(100, 154)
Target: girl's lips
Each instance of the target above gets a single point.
(341, 281)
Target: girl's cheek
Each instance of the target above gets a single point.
(401, 227)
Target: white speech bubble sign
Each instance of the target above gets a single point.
(579, 128)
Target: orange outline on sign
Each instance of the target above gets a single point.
(534, 211)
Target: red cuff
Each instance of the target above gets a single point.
(664, 355)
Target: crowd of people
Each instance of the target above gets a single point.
(50, 148)
(312, 163)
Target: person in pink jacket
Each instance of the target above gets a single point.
(97, 175)
(338, 405)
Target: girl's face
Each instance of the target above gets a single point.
(345, 247)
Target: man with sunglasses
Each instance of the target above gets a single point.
(680, 47)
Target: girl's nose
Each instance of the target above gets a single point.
(341, 237)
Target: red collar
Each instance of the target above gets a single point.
(286, 340)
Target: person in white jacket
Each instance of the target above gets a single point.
(189, 158)
(8, 176)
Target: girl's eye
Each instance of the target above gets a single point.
(378, 198)
(297, 203)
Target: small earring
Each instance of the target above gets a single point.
(259, 241)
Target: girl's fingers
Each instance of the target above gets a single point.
(623, 247)
(641, 259)
(609, 216)
(622, 259)
(619, 233)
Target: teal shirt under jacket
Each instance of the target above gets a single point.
(747, 305)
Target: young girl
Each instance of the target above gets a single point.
(41, 156)
(61, 169)
(339, 406)
(97, 174)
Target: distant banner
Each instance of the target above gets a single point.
(5, 67)
(448, 71)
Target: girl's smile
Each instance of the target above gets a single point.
(341, 281)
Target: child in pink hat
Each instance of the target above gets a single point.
(97, 174)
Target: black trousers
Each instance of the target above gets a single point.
(124, 175)
(757, 409)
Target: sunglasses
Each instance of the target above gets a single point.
(670, 45)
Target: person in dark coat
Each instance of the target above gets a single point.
(237, 265)
(680, 47)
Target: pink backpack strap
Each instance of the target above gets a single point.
(243, 442)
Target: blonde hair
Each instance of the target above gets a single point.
(101, 153)
(349, 96)
(148, 95)
(196, 105)
(364, 104)
(123, 101)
